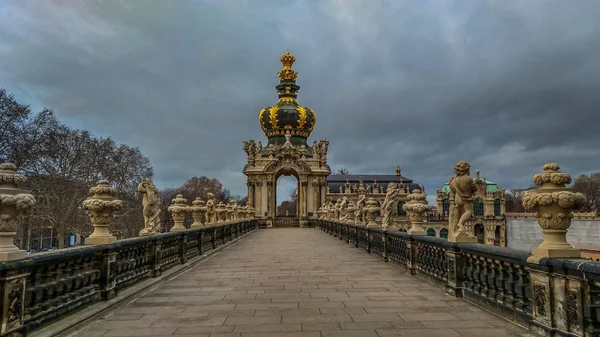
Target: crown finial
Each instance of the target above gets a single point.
(398, 171)
(287, 73)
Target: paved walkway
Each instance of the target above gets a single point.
(294, 282)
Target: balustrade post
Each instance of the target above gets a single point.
(156, 256)
(356, 236)
(201, 245)
(231, 232)
(456, 265)
(223, 235)
(412, 260)
(182, 248)
(385, 239)
(214, 238)
(108, 282)
(342, 226)
(12, 295)
(369, 237)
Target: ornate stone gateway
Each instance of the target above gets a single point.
(287, 126)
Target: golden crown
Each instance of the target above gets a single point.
(287, 73)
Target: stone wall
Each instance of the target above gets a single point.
(525, 233)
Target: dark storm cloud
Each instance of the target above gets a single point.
(507, 85)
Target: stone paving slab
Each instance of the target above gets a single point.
(300, 282)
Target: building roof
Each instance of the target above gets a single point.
(335, 181)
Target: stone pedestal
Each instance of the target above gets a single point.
(100, 206)
(178, 210)
(554, 204)
(198, 209)
(14, 202)
(416, 208)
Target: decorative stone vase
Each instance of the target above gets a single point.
(372, 210)
(230, 212)
(350, 216)
(251, 212)
(416, 207)
(554, 204)
(197, 209)
(178, 210)
(100, 206)
(14, 202)
(221, 212)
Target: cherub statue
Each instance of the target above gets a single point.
(211, 213)
(387, 208)
(463, 187)
(150, 207)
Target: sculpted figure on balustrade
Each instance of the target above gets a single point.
(211, 209)
(463, 187)
(388, 209)
(150, 207)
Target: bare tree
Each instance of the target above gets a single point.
(589, 185)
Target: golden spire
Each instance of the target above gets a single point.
(287, 73)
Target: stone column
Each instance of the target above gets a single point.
(554, 204)
(178, 210)
(100, 206)
(416, 207)
(315, 187)
(270, 202)
(371, 209)
(250, 193)
(304, 204)
(258, 200)
(14, 202)
(198, 209)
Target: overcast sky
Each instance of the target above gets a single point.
(505, 84)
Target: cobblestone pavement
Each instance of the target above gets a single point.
(298, 282)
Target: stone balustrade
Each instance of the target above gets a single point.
(45, 287)
(553, 297)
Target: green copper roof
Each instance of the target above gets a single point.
(490, 186)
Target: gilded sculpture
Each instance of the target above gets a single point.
(463, 187)
(150, 207)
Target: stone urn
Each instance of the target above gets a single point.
(14, 203)
(178, 210)
(229, 212)
(350, 214)
(554, 204)
(221, 212)
(371, 209)
(416, 208)
(198, 209)
(100, 206)
(251, 212)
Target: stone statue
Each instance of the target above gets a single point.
(387, 208)
(250, 148)
(288, 136)
(150, 207)
(358, 212)
(233, 210)
(463, 187)
(258, 148)
(211, 213)
(343, 209)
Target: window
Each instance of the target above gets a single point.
(401, 212)
(431, 232)
(477, 207)
(445, 207)
(497, 207)
(444, 233)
